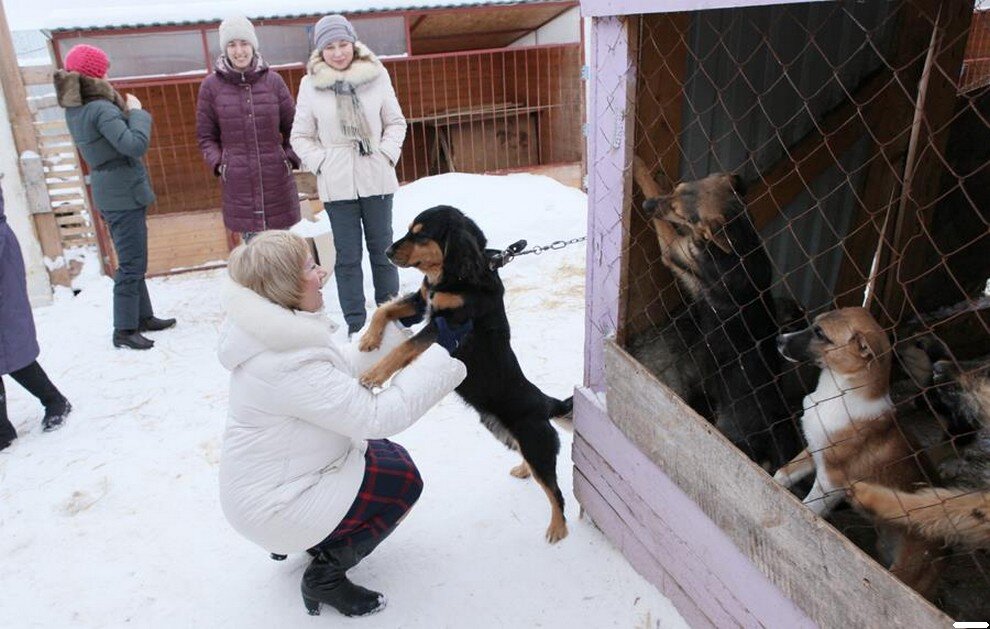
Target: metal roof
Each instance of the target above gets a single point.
(189, 13)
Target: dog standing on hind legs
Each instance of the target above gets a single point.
(461, 292)
(709, 242)
(850, 425)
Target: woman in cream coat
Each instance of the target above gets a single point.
(348, 131)
(305, 463)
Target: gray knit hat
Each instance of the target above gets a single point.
(237, 27)
(333, 28)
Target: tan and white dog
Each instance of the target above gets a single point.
(850, 426)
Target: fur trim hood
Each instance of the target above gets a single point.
(365, 68)
(255, 325)
(75, 90)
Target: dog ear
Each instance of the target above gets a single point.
(713, 229)
(463, 255)
(869, 348)
(738, 185)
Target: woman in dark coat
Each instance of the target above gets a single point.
(112, 135)
(18, 343)
(243, 119)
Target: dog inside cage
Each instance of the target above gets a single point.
(808, 257)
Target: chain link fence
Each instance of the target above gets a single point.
(858, 134)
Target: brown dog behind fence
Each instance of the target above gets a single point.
(866, 154)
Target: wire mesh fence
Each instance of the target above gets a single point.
(807, 257)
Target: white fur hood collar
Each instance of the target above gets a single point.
(365, 68)
(255, 325)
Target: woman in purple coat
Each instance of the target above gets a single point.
(243, 119)
(18, 343)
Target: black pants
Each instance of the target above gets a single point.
(35, 380)
(131, 302)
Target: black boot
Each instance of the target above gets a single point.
(132, 339)
(7, 431)
(325, 581)
(33, 378)
(55, 414)
(154, 324)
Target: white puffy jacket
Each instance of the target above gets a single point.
(293, 448)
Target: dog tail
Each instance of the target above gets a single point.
(562, 412)
(956, 515)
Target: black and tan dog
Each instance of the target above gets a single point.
(710, 243)
(461, 289)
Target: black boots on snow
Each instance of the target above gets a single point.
(135, 340)
(132, 339)
(325, 581)
(154, 324)
(7, 431)
(55, 414)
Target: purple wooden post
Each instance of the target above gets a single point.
(607, 159)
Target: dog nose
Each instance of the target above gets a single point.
(942, 370)
(650, 205)
(390, 252)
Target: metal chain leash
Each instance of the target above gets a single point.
(501, 258)
(554, 246)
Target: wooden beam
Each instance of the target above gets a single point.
(934, 108)
(649, 291)
(820, 149)
(869, 235)
(37, 75)
(22, 126)
(824, 573)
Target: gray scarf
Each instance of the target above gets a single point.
(352, 121)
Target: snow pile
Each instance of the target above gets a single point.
(114, 520)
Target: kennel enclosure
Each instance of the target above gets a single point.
(857, 127)
(487, 86)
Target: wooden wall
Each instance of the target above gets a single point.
(498, 110)
(182, 182)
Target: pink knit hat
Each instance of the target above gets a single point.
(88, 60)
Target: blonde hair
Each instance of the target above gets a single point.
(271, 264)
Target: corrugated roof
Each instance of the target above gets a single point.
(186, 13)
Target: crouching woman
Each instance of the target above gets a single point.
(305, 463)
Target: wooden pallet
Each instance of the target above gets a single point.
(64, 177)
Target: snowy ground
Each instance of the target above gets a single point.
(114, 520)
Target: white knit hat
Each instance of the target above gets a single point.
(237, 27)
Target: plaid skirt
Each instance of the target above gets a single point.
(390, 488)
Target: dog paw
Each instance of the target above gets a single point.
(370, 340)
(374, 377)
(521, 470)
(783, 478)
(556, 532)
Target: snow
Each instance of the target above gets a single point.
(114, 519)
(53, 14)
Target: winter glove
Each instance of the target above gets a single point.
(450, 336)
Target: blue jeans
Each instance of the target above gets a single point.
(346, 220)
